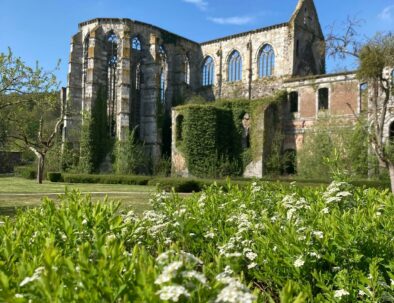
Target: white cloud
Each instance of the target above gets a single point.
(201, 4)
(237, 20)
(387, 14)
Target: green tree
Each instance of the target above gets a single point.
(30, 108)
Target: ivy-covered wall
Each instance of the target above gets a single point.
(208, 138)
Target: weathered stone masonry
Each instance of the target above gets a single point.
(148, 70)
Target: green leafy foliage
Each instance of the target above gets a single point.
(130, 156)
(339, 151)
(260, 243)
(212, 135)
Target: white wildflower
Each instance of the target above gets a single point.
(196, 275)
(18, 296)
(84, 222)
(163, 257)
(36, 275)
(235, 292)
(336, 268)
(361, 293)
(252, 265)
(110, 238)
(251, 255)
(319, 234)
(192, 234)
(209, 235)
(172, 293)
(299, 262)
(325, 210)
(340, 293)
(316, 255)
(343, 194)
(168, 272)
(167, 241)
(191, 258)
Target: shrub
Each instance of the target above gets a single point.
(106, 179)
(27, 172)
(260, 243)
(179, 185)
(54, 177)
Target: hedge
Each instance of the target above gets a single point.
(106, 179)
(27, 172)
(187, 185)
(54, 176)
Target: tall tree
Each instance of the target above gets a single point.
(30, 108)
(375, 58)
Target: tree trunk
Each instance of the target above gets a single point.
(40, 168)
(391, 172)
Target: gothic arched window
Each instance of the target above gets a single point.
(208, 71)
(266, 61)
(136, 44)
(235, 67)
(112, 61)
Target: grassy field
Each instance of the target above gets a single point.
(20, 193)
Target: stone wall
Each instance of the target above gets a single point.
(344, 102)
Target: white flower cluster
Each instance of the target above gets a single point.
(172, 293)
(293, 204)
(341, 293)
(36, 275)
(234, 291)
(178, 266)
(335, 192)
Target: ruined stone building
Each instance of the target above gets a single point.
(143, 71)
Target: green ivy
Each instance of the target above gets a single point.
(212, 135)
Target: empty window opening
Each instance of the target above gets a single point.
(364, 96)
(136, 44)
(323, 98)
(179, 128)
(208, 71)
(391, 132)
(266, 61)
(293, 102)
(235, 67)
(187, 71)
(289, 162)
(112, 61)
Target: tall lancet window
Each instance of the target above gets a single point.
(163, 74)
(85, 63)
(112, 62)
(266, 61)
(208, 71)
(187, 70)
(235, 67)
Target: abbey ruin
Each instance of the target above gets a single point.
(144, 72)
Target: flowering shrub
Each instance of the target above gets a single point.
(263, 243)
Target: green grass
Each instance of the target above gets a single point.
(21, 193)
(19, 185)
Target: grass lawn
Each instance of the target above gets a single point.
(19, 193)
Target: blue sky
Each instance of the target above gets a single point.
(40, 30)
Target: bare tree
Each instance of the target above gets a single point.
(30, 109)
(375, 57)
